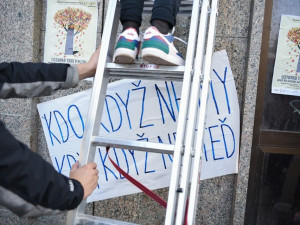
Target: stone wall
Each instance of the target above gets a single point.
(221, 199)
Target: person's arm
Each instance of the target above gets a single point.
(83, 175)
(88, 69)
(23, 80)
(30, 186)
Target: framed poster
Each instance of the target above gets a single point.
(71, 31)
(286, 76)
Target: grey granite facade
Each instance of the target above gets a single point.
(222, 200)
(248, 110)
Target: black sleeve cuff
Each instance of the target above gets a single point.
(75, 186)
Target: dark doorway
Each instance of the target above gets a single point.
(274, 188)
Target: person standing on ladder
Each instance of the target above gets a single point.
(157, 45)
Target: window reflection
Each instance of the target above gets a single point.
(280, 192)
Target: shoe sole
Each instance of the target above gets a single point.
(124, 56)
(155, 56)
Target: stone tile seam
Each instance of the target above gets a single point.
(234, 37)
(15, 115)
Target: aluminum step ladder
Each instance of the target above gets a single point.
(195, 75)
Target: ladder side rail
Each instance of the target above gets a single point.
(100, 82)
(193, 113)
(195, 183)
(182, 118)
(87, 150)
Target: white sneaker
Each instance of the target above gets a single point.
(127, 47)
(159, 49)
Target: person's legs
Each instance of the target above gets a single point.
(127, 47)
(164, 14)
(158, 47)
(131, 13)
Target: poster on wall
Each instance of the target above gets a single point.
(286, 76)
(71, 31)
(144, 110)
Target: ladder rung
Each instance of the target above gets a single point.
(133, 145)
(84, 219)
(186, 7)
(145, 71)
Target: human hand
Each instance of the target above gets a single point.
(89, 69)
(87, 175)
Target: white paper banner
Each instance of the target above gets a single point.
(145, 111)
(71, 31)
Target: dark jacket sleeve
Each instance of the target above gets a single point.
(23, 80)
(29, 185)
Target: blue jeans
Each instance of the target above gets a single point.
(166, 10)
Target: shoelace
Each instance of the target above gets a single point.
(173, 30)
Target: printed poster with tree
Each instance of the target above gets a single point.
(286, 76)
(71, 31)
